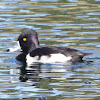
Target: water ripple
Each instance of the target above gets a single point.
(66, 23)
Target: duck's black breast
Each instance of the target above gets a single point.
(21, 57)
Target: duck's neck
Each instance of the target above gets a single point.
(33, 47)
(36, 42)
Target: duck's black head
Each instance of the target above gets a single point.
(28, 40)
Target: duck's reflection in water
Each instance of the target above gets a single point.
(29, 72)
(37, 71)
(42, 76)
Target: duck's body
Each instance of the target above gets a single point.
(32, 52)
(52, 54)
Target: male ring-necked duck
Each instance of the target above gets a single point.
(32, 52)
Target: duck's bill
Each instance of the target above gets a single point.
(15, 48)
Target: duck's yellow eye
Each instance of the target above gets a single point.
(24, 39)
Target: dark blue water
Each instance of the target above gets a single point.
(71, 23)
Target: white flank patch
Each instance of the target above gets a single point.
(54, 58)
(15, 48)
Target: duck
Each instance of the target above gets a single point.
(31, 52)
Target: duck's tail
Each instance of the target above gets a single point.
(86, 54)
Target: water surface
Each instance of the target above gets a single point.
(71, 23)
